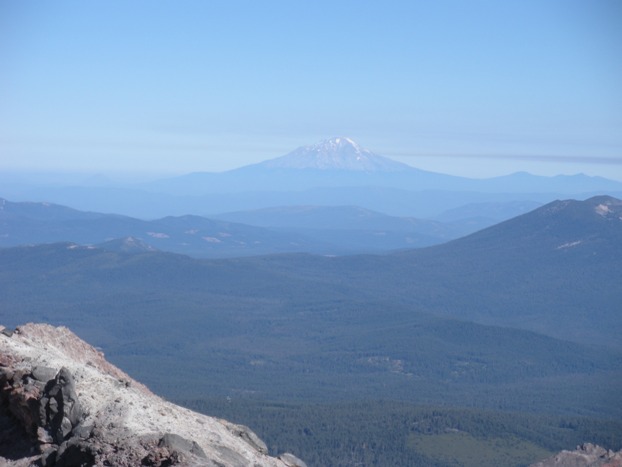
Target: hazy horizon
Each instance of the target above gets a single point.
(64, 174)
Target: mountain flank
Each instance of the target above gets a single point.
(63, 404)
(562, 260)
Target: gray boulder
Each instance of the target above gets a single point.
(59, 407)
(176, 443)
(43, 374)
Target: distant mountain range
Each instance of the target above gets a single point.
(336, 172)
(33, 223)
(523, 315)
(313, 229)
(341, 162)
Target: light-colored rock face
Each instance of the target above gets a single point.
(110, 398)
(586, 455)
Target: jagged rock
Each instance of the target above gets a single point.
(586, 455)
(63, 404)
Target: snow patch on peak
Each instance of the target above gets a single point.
(338, 153)
(340, 141)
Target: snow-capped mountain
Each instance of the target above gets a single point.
(338, 153)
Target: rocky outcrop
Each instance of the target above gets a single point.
(63, 404)
(291, 460)
(586, 455)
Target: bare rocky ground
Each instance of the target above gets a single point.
(63, 404)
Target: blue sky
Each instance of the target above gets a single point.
(474, 88)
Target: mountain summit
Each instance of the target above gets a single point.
(338, 153)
